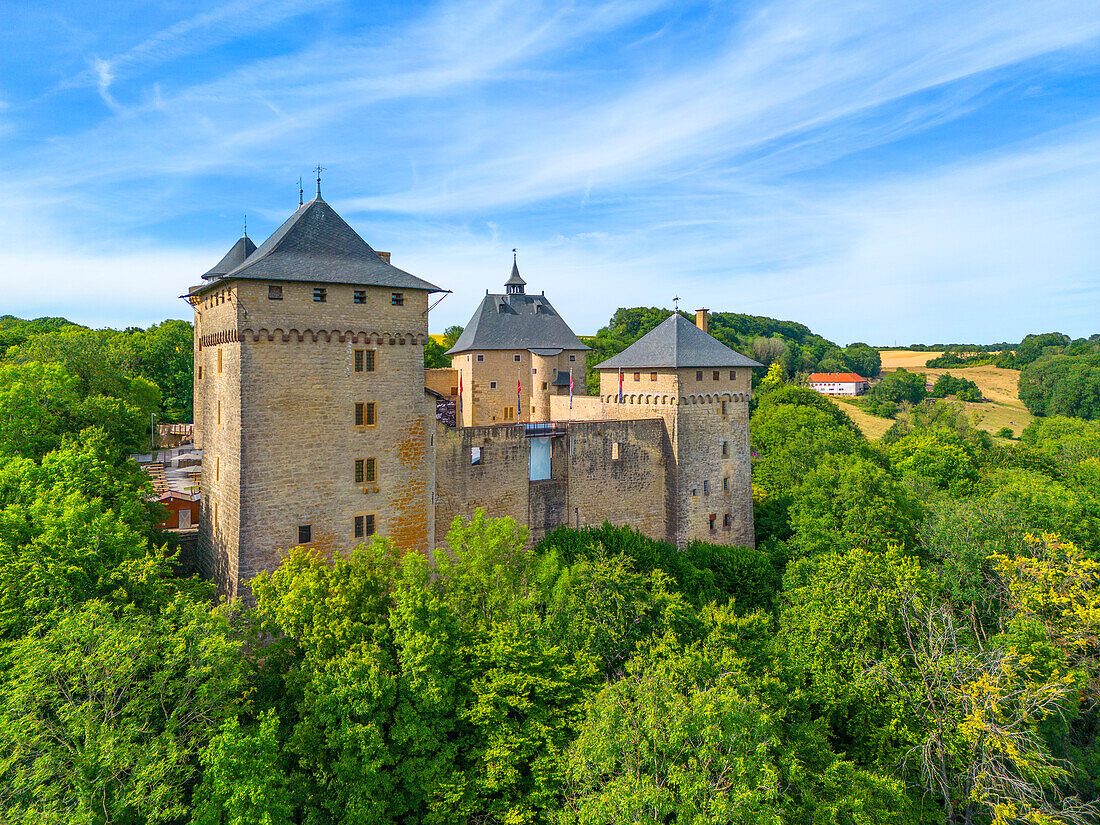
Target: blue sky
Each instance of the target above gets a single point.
(880, 171)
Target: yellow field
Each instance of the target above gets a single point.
(870, 425)
(1003, 409)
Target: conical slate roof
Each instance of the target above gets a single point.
(233, 258)
(675, 343)
(515, 280)
(316, 245)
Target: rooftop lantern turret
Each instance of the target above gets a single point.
(515, 284)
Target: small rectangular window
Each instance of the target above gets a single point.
(534, 371)
(716, 373)
(725, 449)
(653, 376)
(358, 360)
(725, 411)
(475, 456)
(368, 470)
(359, 527)
(305, 533)
(727, 522)
(358, 415)
(359, 296)
(370, 421)
(706, 487)
(368, 526)
(509, 414)
(274, 293)
(615, 451)
(726, 483)
(515, 358)
(200, 372)
(482, 358)
(369, 355)
(359, 474)
(572, 358)
(733, 375)
(698, 375)
(320, 294)
(219, 411)
(492, 385)
(217, 467)
(219, 360)
(397, 299)
(637, 376)
(713, 517)
(544, 385)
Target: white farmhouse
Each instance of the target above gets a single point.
(838, 383)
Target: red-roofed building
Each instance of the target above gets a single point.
(838, 383)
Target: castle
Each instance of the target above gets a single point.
(320, 426)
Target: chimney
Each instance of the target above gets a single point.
(701, 316)
(385, 256)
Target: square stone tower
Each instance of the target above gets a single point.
(701, 388)
(514, 355)
(310, 406)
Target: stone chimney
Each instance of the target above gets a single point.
(701, 317)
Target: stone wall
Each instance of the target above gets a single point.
(484, 405)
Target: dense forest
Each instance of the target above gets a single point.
(914, 639)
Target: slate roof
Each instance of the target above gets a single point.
(676, 343)
(515, 279)
(233, 258)
(516, 321)
(317, 245)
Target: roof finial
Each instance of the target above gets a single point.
(319, 170)
(513, 257)
(676, 304)
(301, 192)
(246, 226)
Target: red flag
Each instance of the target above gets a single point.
(620, 385)
(570, 388)
(519, 403)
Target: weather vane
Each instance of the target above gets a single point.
(246, 226)
(301, 192)
(676, 303)
(513, 255)
(319, 170)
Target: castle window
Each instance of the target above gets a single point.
(359, 471)
(368, 470)
(368, 355)
(694, 492)
(534, 371)
(359, 296)
(724, 410)
(200, 372)
(492, 385)
(482, 358)
(733, 374)
(219, 361)
(364, 526)
(716, 373)
(274, 293)
(397, 299)
(713, 518)
(616, 450)
(653, 376)
(358, 358)
(727, 522)
(320, 294)
(725, 449)
(475, 456)
(726, 483)
(359, 415)
(305, 533)
(698, 375)
(637, 376)
(544, 385)
(706, 487)
(572, 358)
(217, 467)
(370, 418)
(219, 411)
(509, 414)
(515, 358)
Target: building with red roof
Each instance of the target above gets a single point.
(839, 383)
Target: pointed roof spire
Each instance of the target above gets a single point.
(245, 235)
(673, 344)
(301, 192)
(515, 284)
(319, 170)
(236, 256)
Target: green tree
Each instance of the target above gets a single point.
(451, 335)
(435, 355)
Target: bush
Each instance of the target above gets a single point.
(1005, 432)
(961, 388)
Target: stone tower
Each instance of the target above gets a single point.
(310, 406)
(515, 341)
(701, 388)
